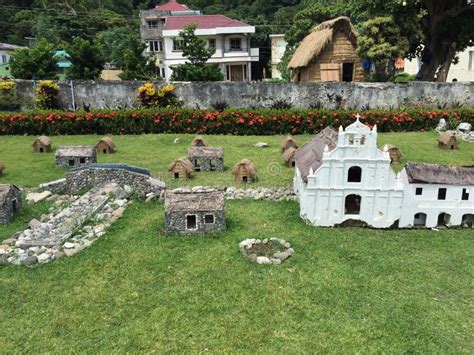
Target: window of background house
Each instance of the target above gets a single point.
(163, 73)
(442, 193)
(471, 60)
(178, 45)
(4, 58)
(152, 25)
(211, 43)
(419, 191)
(155, 46)
(235, 44)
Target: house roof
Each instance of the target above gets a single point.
(9, 47)
(108, 141)
(205, 152)
(202, 22)
(172, 6)
(445, 137)
(310, 155)
(43, 140)
(289, 153)
(184, 162)
(288, 140)
(245, 163)
(420, 173)
(199, 139)
(315, 43)
(75, 151)
(5, 189)
(194, 201)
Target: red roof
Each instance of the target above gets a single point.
(172, 6)
(203, 22)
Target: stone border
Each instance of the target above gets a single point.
(276, 259)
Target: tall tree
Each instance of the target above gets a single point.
(86, 59)
(35, 63)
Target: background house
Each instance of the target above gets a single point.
(328, 53)
(5, 57)
(160, 28)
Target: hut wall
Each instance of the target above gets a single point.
(38, 145)
(103, 147)
(339, 51)
(181, 171)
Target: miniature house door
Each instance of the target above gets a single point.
(330, 72)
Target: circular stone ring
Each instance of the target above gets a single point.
(266, 251)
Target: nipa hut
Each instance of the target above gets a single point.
(181, 168)
(244, 171)
(199, 141)
(106, 145)
(42, 144)
(448, 140)
(328, 53)
(395, 154)
(289, 157)
(288, 142)
(2, 167)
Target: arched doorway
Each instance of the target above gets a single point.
(468, 221)
(444, 219)
(354, 174)
(419, 220)
(352, 204)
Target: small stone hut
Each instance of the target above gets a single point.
(2, 167)
(328, 53)
(288, 142)
(181, 168)
(194, 212)
(42, 144)
(244, 171)
(75, 156)
(10, 202)
(206, 158)
(199, 141)
(106, 145)
(448, 140)
(395, 154)
(289, 157)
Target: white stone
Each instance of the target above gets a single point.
(44, 258)
(34, 224)
(118, 213)
(263, 260)
(69, 245)
(442, 125)
(120, 203)
(35, 197)
(262, 145)
(128, 189)
(177, 141)
(465, 127)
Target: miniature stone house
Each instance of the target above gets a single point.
(199, 141)
(181, 168)
(448, 140)
(206, 158)
(42, 144)
(244, 171)
(106, 146)
(75, 156)
(10, 202)
(394, 152)
(2, 168)
(288, 142)
(188, 213)
(289, 157)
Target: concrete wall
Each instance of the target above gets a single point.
(120, 94)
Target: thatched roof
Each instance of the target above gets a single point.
(205, 152)
(194, 201)
(445, 137)
(310, 155)
(43, 140)
(184, 162)
(419, 173)
(108, 141)
(288, 141)
(248, 165)
(315, 43)
(199, 141)
(288, 154)
(75, 151)
(5, 189)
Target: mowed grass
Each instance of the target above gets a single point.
(345, 290)
(156, 152)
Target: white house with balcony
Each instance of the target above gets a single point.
(160, 28)
(342, 178)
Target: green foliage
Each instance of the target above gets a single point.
(35, 63)
(150, 97)
(197, 54)
(404, 78)
(46, 94)
(134, 64)
(86, 58)
(8, 99)
(283, 65)
(116, 40)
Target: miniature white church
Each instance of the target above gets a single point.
(342, 177)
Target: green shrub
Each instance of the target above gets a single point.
(46, 94)
(8, 99)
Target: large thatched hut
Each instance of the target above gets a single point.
(181, 168)
(289, 157)
(106, 145)
(244, 171)
(328, 53)
(448, 140)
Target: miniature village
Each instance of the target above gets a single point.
(341, 178)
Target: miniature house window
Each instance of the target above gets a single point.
(362, 140)
(191, 221)
(419, 191)
(82, 160)
(176, 175)
(209, 219)
(212, 165)
(465, 195)
(71, 162)
(197, 165)
(41, 150)
(419, 220)
(351, 139)
(354, 174)
(352, 205)
(442, 193)
(104, 151)
(443, 219)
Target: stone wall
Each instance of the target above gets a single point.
(10, 205)
(120, 94)
(175, 222)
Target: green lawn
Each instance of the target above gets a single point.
(137, 290)
(156, 152)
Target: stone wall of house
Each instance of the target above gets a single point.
(208, 164)
(65, 162)
(92, 176)
(10, 206)
(120, 94)
(175, 222)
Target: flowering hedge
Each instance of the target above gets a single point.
(237, 122)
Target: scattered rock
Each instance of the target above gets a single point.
(276, 261)
(118, 213)
(44, 258)
(68, 245)
(464, 127)
(31, 260)
(263, 260)
(35, 197)
(262, 145)
(34, 224)
(282, 256)
(177, 141)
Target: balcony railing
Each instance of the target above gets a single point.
(241, 49)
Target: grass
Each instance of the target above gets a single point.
(156, 152)
(350, 290)
(136, 290)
